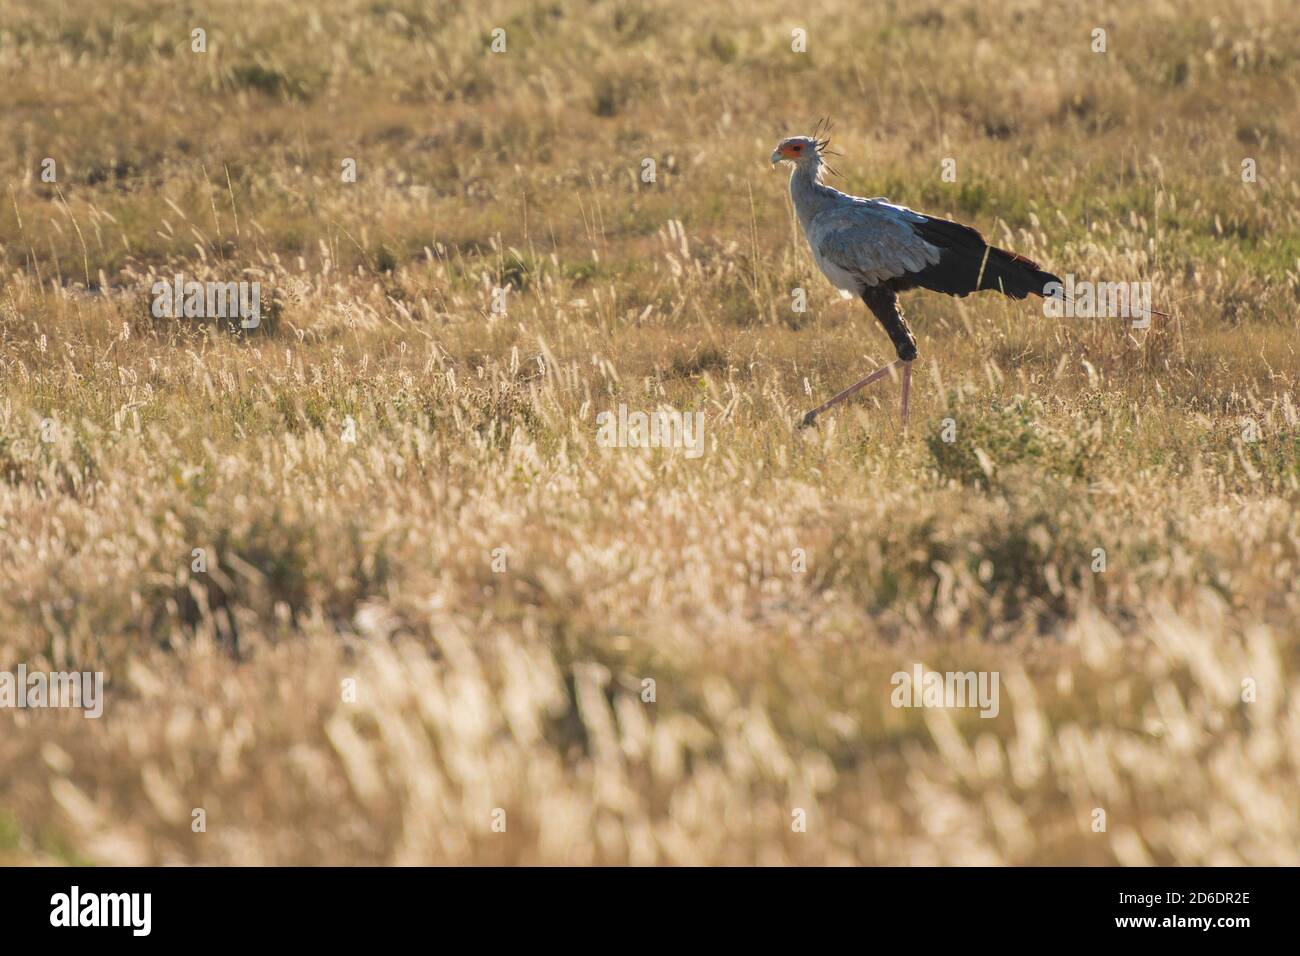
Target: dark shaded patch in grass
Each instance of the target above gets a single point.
(975, 446)
(116, 170)
(1025, 557)
(580, 273)
(514, 272)
(634, 23)
(269, 81)
(722, 48)
(609, 95)
(705, 359)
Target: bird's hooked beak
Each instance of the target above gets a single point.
(776, 156)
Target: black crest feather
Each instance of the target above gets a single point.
(822, 137)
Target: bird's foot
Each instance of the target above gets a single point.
(807, 421)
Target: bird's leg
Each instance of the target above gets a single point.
(859, 386)
(907, 388)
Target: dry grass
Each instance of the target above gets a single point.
(522, 690)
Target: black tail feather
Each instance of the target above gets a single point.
(969, 264)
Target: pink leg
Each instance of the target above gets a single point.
(857, 387)
(907, 388)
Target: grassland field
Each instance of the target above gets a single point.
(365, 588)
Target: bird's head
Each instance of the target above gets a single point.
(806, 152)
(798, 150)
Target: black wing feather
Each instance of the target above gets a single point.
(967, 263)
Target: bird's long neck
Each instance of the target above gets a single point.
(806, 190)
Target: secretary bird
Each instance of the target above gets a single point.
(875, 250)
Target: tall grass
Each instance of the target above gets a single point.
(474, 635)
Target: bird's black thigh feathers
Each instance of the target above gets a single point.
(883, 303)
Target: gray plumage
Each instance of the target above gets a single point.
(857, 242)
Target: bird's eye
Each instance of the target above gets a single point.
(796, 147)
